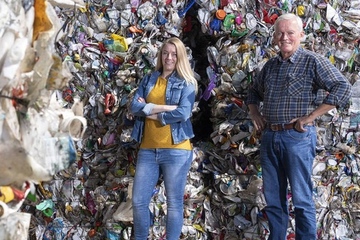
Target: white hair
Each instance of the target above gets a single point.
(289, 16)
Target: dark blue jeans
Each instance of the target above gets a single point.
(174, 165)
(287, 158)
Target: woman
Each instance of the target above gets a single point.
(162, 105)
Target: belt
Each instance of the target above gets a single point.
(281, 126)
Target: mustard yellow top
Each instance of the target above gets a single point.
(156, 135)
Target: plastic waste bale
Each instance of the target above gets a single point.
(36, 141)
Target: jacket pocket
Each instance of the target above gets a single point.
(176, 91)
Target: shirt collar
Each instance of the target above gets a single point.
(293, 57)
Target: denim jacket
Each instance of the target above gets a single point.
(179, 93)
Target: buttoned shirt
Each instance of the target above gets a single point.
(294, 87)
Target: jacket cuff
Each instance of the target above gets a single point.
(148, 108)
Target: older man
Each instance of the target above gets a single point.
(288, 86)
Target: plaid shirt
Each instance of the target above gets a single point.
(295, 87)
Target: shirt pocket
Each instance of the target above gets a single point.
(176, 91)
(294, 84)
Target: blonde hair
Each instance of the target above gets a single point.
(289, 16)
(182, 66)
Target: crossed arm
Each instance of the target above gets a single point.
(157, 109)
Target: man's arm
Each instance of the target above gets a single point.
(309, 119)
(256, 117)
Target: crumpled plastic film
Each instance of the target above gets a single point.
(35, 145)
(106, 47)
(18, 221)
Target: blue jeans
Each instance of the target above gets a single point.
(287, 157)
(174, 165)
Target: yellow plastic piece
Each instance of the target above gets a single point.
(120, 40)
(332, 59)
(301, 11)
(6, 194)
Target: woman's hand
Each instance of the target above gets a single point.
(152, 116)
(141, 100)
(170, 107)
